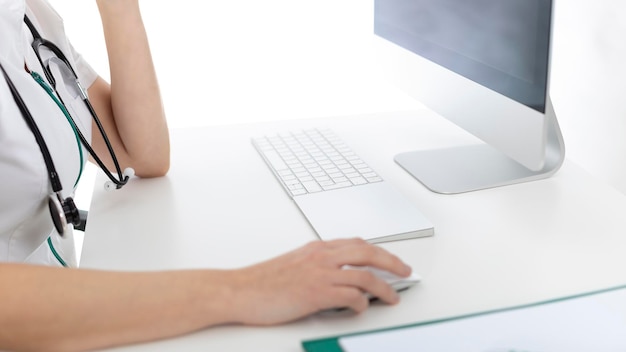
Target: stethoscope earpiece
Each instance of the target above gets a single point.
(129, 172)
(109, 186)
(63, 212)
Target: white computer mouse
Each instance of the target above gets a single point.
(397, 282)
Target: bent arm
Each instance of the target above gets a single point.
(130, 108)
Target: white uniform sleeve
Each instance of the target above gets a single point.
(86, 74)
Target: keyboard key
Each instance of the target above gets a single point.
(288, 177)
(295, 187)
(302, 174)
(358, 180)
(340, 179)
(312, 186)
(338, 185)
(321, 179)
(326, 183)
(298, 192)
(291, 183)
(370, 174)
(306, 178)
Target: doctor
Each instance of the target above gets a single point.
(44, 306)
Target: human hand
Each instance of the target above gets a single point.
(310, 279)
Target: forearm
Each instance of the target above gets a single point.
(135, 97)
(75, 309)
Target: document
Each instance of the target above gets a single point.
(595, 322)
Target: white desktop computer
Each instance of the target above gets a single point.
(484, 65)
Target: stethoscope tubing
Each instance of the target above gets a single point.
(28, 117)
(62, 210)
(38, 42)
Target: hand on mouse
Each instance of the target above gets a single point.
(310, 279)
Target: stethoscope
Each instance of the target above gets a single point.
(63, 210)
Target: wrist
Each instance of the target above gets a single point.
(238, 290)
(217, 297)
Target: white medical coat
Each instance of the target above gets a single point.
(25, 221)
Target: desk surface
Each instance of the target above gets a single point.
(220, 207)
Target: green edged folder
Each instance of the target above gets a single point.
(612, 330)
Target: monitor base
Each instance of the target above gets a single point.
(475, 167)
(466, 168)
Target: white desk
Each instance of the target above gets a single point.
(491, 249)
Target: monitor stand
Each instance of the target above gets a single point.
(471, 168)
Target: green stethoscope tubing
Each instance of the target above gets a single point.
(55, 253)
(50, 92)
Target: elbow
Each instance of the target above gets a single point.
(152, 163)
(163, 165)
(165, 168)
(155, 167)
(160, 170)
(154, 159)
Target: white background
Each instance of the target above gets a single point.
(235, 61)
(244, 60)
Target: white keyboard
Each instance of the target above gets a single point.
(338, 193)
(313, 161)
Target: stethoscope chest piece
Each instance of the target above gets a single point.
(63, 212)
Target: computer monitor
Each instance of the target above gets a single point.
(484, 65)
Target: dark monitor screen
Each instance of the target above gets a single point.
(500, 44)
